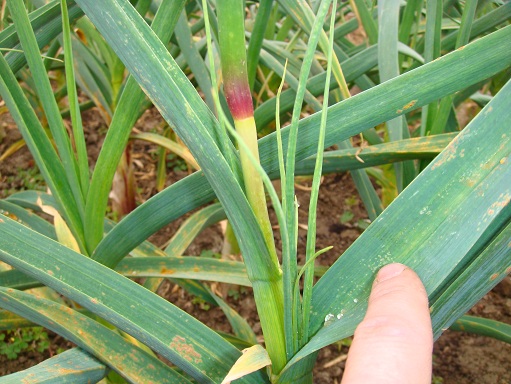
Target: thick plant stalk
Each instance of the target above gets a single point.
(239, 99)
(237, 92)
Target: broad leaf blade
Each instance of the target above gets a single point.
(488, 269)
(129, 108)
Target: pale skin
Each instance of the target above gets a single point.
(394, 342)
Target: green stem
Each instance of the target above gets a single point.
(237, 93)
(268, 293)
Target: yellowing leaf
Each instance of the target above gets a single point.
(64, 234)
(253, 359)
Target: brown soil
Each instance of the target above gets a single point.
(458, 357)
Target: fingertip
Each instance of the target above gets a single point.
(389, 271)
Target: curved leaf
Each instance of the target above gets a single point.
(128, 360)
(253, 358)
(484, 327)
(46, 22)
(189, 230)
(172, 146)
(180, 338)
(73, 366)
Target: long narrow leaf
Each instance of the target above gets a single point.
(46, 23)
(126, 114)
(74, 367)
(180, 104)
(194, 59)
(489, 268)
(27, 218)
(388, 65)
(386, 153)
(192, 227)
(10, 321)
(485, 327)
(154, 321)
(128, 360)
(39, 145)
(187, 267)
(74, 106)
(46, 96)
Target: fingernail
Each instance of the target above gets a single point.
(389, 271)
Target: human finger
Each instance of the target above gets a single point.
(394, 342)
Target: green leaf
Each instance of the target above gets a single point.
(179, 103)
(490, 266)
(74, 366)
(130, 361)
(484, 327)
(93, 77)
(195, 224)
(482, 25)
(10, 321)
(172, 146)
(240, 326)
(380, 154)
(369, 24)
(27, 218)
(51, 110)
(193, 58)
(388, 66)
(149, 261)
(180, 338)
(256, 39)
(47, 24)
(18, 280)
(352, 67)
(129, 108)
(40, 146)
(187, 267)
(74, 106)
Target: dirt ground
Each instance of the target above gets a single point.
(458, 357)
